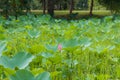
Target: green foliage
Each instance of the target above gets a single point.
(113, 5)
(33, 33)
(14, 7)
(26, 75)
(82, 4)
(2, 47)
(89, 48)
(20, 60)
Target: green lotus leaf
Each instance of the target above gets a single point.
(108, 19)
(46, 55)
(2, 47)
(26, 75)
(20, 60)
(117, 41)
(43, 76)
(33, 33)
(100, 49)
(85, 42)
(22, 75)
(70, 43)
(53, 48)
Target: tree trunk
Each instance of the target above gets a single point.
(14, 5)
(91, 7)
(6, 9)
(6, 14)
(60, 6)
(51, 7)
(44, 6)
(71, 6)
(65, 6)
(16, 14)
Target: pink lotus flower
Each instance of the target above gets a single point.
(59, 47)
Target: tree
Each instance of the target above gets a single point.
(91, 7)
(71, 6)
(61, 5)
(50, 6)
(82, 4)
(113, 5)
(5, 6)
(15, 4)
(44, 6)
(25, 4)
(14, 7)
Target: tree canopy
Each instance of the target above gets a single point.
(113, 5)
(15, 7)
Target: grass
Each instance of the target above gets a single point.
(81, 13)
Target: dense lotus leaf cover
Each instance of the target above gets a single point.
(85, 49)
